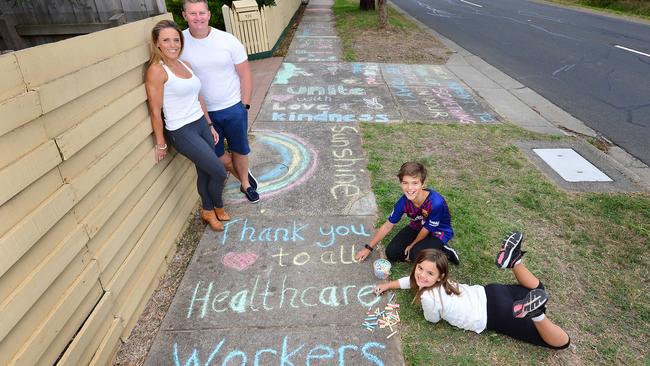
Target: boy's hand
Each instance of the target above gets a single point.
(407, 252)
(362, 255)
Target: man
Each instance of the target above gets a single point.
(221, 63)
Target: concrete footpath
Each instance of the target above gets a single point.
(279, 286)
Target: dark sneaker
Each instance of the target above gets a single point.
(250, 193)
(252, 180)
(530, 306)
(510, 251)
(451, 254)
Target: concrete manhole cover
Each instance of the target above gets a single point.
(571, 166)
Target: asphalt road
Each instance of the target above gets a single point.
(587, 64)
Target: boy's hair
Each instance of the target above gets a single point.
(156, 54)
(442, 264)
(185, 2)
(412, 169)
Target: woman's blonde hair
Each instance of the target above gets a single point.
(156, 54)
(442, 264)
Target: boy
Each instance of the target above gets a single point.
(430, 226)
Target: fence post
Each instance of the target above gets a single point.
(225, 10)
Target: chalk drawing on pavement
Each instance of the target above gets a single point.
(296, 162)
(239, 261)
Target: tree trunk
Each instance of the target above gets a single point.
(367, 4)
(383, 14)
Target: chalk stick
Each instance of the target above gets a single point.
(392, 334)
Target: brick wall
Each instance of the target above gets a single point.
(87, 219)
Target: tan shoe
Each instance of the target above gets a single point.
(210, 217)
(221, 213)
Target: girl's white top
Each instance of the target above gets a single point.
(181, 99)
(466, 311)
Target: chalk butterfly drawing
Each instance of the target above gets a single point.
(239, 261)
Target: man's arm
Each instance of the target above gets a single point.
(245, 81)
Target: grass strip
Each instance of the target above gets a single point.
(589, 249)
(350, 20)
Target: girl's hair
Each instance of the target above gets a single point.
(412, 169)
(442, 264)
(156, 54)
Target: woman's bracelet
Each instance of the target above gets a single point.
(161, 147)
(369, 247)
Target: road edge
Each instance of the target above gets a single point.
(524, 107)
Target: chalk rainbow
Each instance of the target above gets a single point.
(297, 162)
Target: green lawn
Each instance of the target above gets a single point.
(350, 20)
(588, 249)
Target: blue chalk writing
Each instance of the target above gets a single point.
(204, 303)
(253, 234)
(289, 354)
(340, 230)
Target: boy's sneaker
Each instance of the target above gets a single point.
(530, 306)
(510, 252)
(451, 254)
(250, 193)
(252, 180)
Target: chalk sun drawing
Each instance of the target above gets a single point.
(298, 161)
(239, 261)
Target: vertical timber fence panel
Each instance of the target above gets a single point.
(261, 35)
(87, 217)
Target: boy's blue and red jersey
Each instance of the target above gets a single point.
(433, 215)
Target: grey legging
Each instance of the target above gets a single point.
(195, 142)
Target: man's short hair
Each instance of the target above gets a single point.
(194, 2)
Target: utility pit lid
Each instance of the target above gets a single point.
(571, 166)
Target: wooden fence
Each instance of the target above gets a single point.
(260, 33)
(87, 218)
(25, 23)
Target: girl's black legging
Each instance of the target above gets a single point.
(500, 319)
(195, 142)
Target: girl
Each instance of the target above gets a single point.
(430, 226)
(173, 88)
(514, 310)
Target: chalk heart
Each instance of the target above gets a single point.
(239, 261)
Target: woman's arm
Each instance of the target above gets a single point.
(215, 135)
(154, 84)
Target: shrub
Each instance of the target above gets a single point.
(216, 20)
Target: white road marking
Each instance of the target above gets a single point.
(631, 50)
(467, 2)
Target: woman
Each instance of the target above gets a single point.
(173, 89)
(518, 311)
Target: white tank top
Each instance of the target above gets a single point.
(181, 99)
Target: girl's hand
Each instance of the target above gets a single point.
(381, 288)
(362, 255)
(215, 135)
(407, 252)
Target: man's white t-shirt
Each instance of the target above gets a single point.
(466, 311)
(213, 60)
